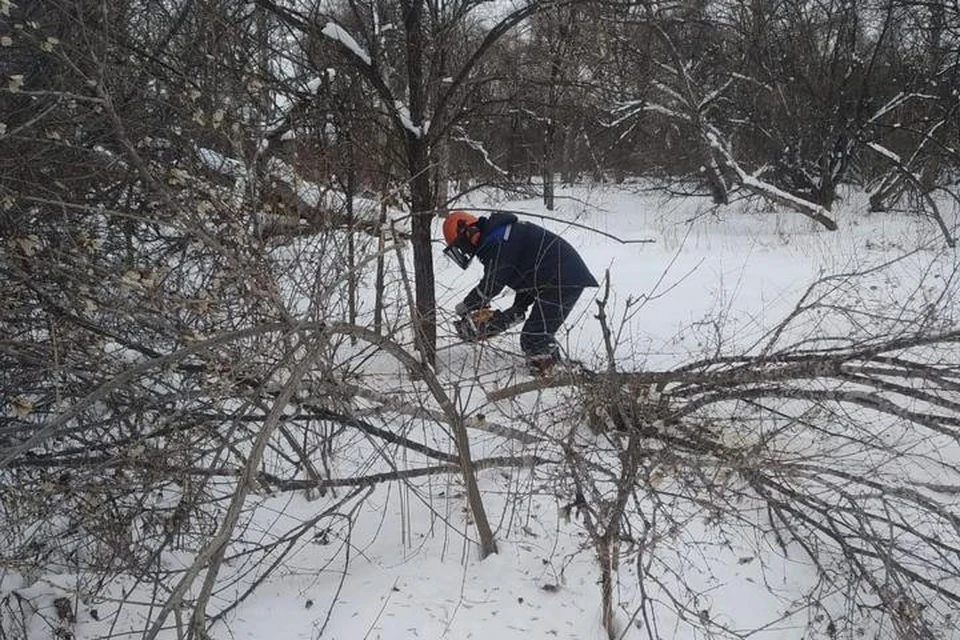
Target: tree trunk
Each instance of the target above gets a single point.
(441, 178)
(557, 63)
(421, 196)
(351, 244)
(548, 170)
(378, 286)
(421, 205)
(569, 162)
(607, 617)
(514, 162)
(550, 134)
(719, 191)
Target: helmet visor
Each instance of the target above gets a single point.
(456, 253)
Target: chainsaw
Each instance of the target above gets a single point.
(485, 323)
(474, 326)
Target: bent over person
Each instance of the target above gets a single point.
(544, 270)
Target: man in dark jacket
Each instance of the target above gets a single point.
(544, 270)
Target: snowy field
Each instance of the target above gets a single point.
(709, 282)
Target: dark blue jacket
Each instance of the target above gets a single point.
(525, 257)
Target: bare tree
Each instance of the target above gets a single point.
(910, 134)
(790, 102)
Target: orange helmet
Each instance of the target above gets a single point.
(456, 223)
(462, 236)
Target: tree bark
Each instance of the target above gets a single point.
(421, 195)
(378, 282)
(351, 188)
(550, 130)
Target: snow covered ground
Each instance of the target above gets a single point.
(709, 277)
(739, 269)
(406, 568)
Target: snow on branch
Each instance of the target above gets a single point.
(403, 113)
(400, 112)
(669, 91)
(633, 108)
(219, 163)
(477, 146)
(765, 189)
(287, 106)
(335, 32)
(751, 80)
(887, 153)
(713, 95)
(897, 101)
(317, 196)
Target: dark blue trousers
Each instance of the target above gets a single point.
(550, 307)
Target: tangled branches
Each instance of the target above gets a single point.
(838, 454)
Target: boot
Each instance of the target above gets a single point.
(542, 364)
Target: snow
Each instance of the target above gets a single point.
(478, 146)
(404, 114)
(765, 187)
(335, 32)
(887, 153)
(218, 162)
(319, 197)
(712, 277)
(629, 110)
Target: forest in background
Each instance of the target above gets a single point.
(413, 103)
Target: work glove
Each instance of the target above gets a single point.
(503, 320)
(485, 323)
(470, 326)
